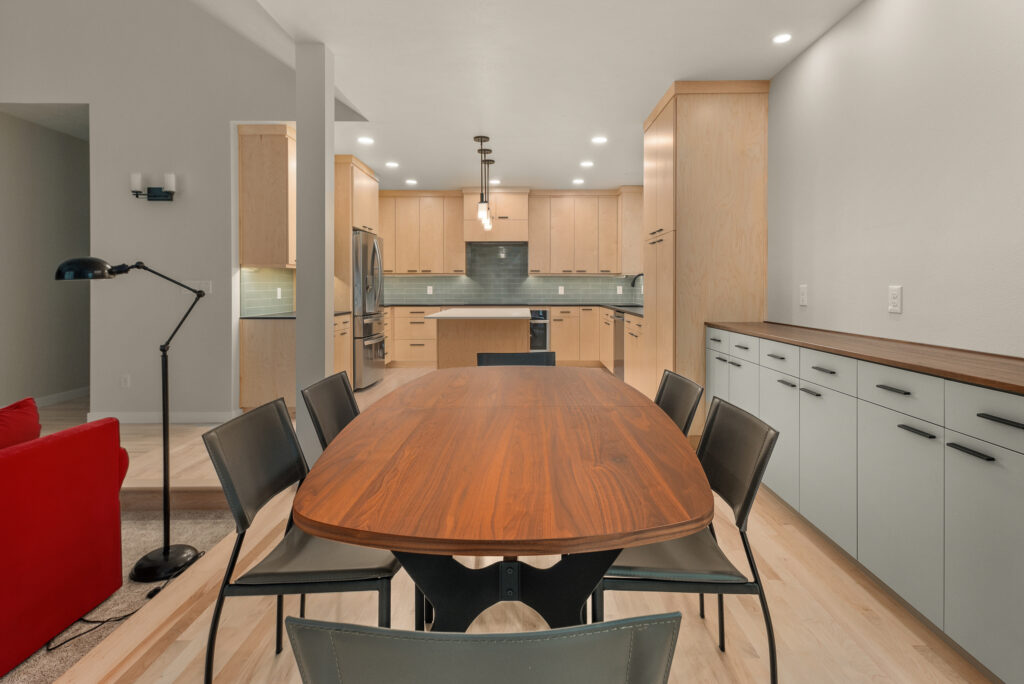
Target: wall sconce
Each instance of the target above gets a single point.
(155, 194)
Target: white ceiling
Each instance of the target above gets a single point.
(71, 119)
(541, 78)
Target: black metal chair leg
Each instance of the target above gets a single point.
(428, 610)
(212, 639)
(772, 661)
(417, 607)
(702, 606)
(597, 604)
(721, 624)
(280, 624)
(384, 603)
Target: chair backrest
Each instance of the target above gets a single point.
(256, 456)
(734, 451)
(632, 651)
(515, 358)
(332, 405)
(678, 397)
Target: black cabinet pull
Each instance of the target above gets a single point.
(896, 390)
(655, 232)
(566, 270)
(581, 270)
(810, 391)
(824, 370)
(534, 270)
(719, 358)
(738, 365)
(417, 312)
(457, 270)
(417, 344)
(787, 383)
(417, 322)
(914, 430)
(557, 320)
(586, 309)
(656, 242)
(780, 357)
(742, 346)
(716, 339)
(632, 334)
(1001, 420)
(971, 452)
(606, 270)
(606, 323)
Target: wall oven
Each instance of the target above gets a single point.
(539, 340)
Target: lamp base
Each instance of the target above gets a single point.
(162, 564)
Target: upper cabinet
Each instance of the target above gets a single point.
(539, 254)
(386, 216)
(422, 232)
(454, 240)
(659, 171)
(356, 193)
(509, 217)
(631, 229)
(266, 195)
(577, 234)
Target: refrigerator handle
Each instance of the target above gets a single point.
(378, 275)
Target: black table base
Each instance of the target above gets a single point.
(459, 594)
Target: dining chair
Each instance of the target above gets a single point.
(544, 358)
(631, 651)
(332, 405)
(679, 397)
(734, 451)
(257, 456)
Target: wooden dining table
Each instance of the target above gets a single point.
(507, 461)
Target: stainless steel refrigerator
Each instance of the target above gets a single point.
(367, 319)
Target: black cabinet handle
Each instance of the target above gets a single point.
(719, 358)
(557, 320)
(417, 322)
(810, 391)
(971, 452)
(534, 270)
(632, 334)
(655, 242)
(915, 431)
(586, 309)
(716, 339)
(606, 270)
(655, 232)
(780, 357)
(787, 383)
(1001, 420)
(824, 370)
(738, 365)
(457, 270)
(566, 270)
(895, 390)
(742, 346)
(417, 344)
(606, 323)
(417, 312)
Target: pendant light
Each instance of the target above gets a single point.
(483, 207)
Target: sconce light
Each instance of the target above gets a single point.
(155, 194)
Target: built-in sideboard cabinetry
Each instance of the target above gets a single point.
(918, 475)
(266, 195)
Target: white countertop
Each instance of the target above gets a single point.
(468, 313)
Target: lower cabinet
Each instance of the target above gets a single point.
(984, 553)
(590, 341)
(266, 350)
(780, 408)
(606, 340)
(744, 378)
(343, 344)
(900, 504)
(564, 331)
(716, 376)
(828, 463)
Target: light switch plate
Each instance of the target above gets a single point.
(896, 299)
(430, 289)
(803, 295)
(561, 289)
(278, 293)
(618, 289)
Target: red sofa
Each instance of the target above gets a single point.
(60, 533)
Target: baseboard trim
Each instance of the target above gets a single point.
(183, 417)
(61, 397)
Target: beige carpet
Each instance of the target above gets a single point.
(141, 532)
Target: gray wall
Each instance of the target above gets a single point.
(164, 81)
(44, 219)
(896, 156)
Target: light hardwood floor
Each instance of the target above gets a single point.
(833, 621)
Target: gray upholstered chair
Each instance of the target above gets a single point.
(257, 456)
(678, 397)
(332, 405)
(515, 358)
(734, 451)
(633, 651)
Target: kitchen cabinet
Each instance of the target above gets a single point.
(415, 336)
(266, 195)
(585, 234)
(660, 301)
(343, 344)
(606, 343)
(828, 462)
(631, 229)
(509, 217)
(454, 239)
(633, 357)
(386, 215)
(356, 206)
(266, 350)
(563, 243)
(510, 206)
(779, 406)
(389, 335)
(717, 374)
(564, 333)
(365, 201)
(431, 236)
(608, 235)
(576, 224)
(407, 234)
(539, 249)
(900, 504)
(659, 172)
(420, 234)
(590, 333)
(744, 384)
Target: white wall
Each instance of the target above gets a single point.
(163, 81)
(896, 156)
(44, 219)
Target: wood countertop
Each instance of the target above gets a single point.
(1004, 373)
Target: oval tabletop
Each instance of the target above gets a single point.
(507, 461)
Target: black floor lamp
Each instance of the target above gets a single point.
(170, 560)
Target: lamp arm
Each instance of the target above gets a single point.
(124, 268)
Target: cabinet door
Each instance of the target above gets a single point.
(365, 206)
(650, 292)
(590, 330)
(744, 383)
(665, 323)
(899, 504)
(984, 553)
(565, 337)
(632, 359)
(650, 197)
(716, 373)
(607, 335)
(585, 237)
(779, 406)
(608, 234)
(454, 241)
(666, 178)
(828, 463)
(266, 200)
(387, 233)
(562, 242)
(407, 235)
(540, 235)
(431, 234)
(511, 205)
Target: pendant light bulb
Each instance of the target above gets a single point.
(481, 210)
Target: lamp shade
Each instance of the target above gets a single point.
(83, 268)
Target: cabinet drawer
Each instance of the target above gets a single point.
(716, 339)
(905, 391)
(993, 416)
(830, 370)
(744, 347)
(407, 311)
(779, 356)
(416, 328)
(564, 311)
(415, 350)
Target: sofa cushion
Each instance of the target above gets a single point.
(19, 423)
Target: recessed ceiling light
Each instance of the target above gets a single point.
(599, 140)
(782, 38)
(577, 181)
(410, 181)
(391, 165)
(586, 164)
(364, 140)
(495, 181)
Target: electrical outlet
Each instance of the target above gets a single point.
(561, 289)
(618, 289)
(278, 293)
(803, 295)
(430, 289)
(896, 299)
(126, 381)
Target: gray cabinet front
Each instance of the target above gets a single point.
(743, 381)
(780, 408)
(717, 376)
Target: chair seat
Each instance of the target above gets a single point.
(696, 558)
(301, 558)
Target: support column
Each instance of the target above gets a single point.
(314, 263)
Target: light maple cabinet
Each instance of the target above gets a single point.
(343, 344)
(660, 300)
(509, 217)
(356, 195)
(606, 337)
(562, 235)
(590, 333)
(631, 229)
(564, 333)
(266, 195)
(431, 236)
(386, 214)
(420, 229)
(608, 239)
(539, 248)
(407, 234)
(576, 225)
(633, 356)
(415, 336)
(454, 237)
(585, 234)
(266, 349)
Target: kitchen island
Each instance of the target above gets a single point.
(464, 332)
